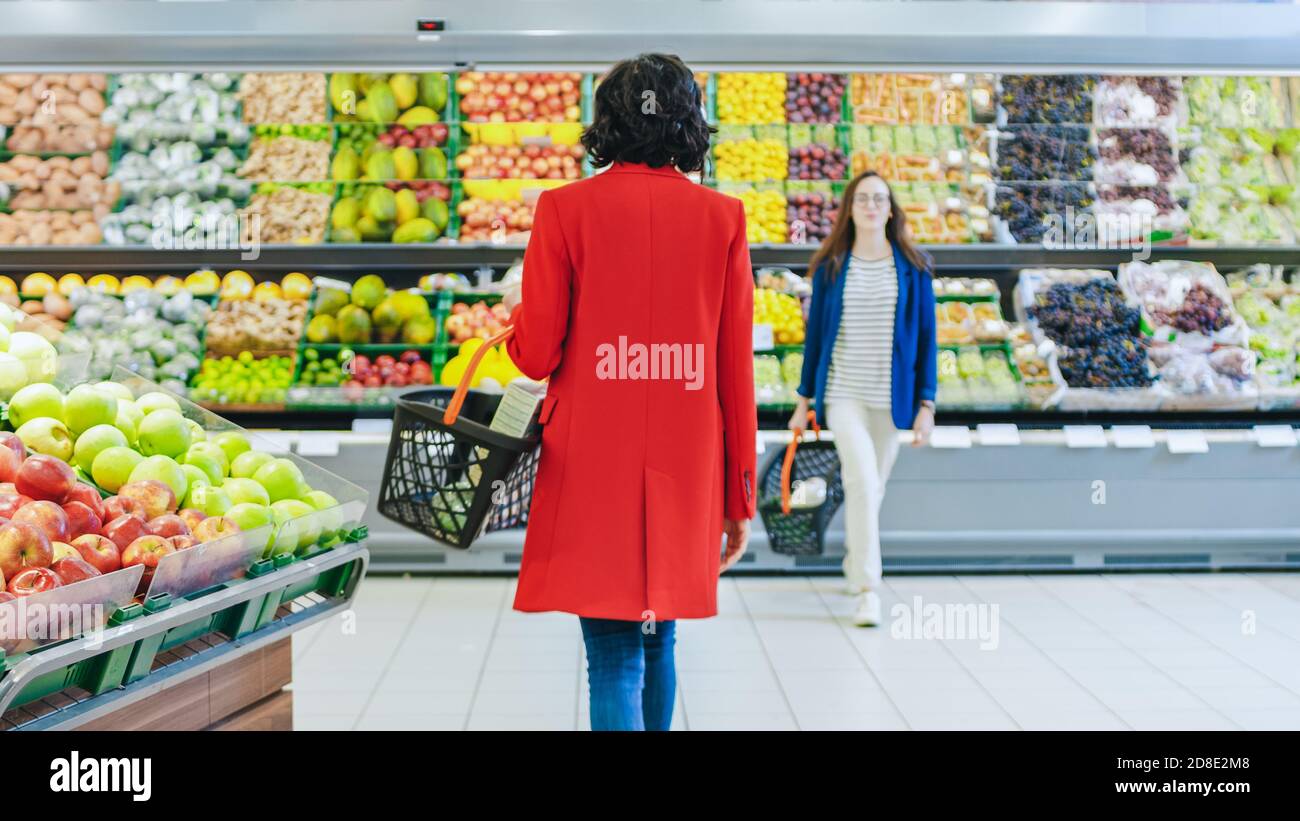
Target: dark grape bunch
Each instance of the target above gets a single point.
(1115, 363)
(1026, 208)
(1160, 89)
(1149, 146)
(817, 162)
(1044, 153)
(1083, 315)
(1157, 194)
(1202, 311)
(816, 212)
(814, 97)
(1048, 98)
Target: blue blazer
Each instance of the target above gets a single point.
(915, 362)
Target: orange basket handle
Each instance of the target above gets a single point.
(788, 465)
(458, 397)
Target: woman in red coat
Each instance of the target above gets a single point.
(637, 303)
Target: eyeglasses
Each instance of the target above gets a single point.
(881, 200)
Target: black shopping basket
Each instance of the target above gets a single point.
(447, 473)
(795, 523)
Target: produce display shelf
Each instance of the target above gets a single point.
(67, 684)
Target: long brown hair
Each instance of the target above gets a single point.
(837, 245)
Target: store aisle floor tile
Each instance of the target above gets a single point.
(1122, 651)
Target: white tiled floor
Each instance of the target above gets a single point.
(1155, 651)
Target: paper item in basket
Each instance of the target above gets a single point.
(807, 494)
(519, 408)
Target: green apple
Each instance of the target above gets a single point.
(305, 518)
(13, 375)
(205, 462)
(213, 501)
(195, 476)
(213, 451)
(233, 443)
(47, 436)
(165, 470)
(164, 432)
(197, 433)
(246, 464)
(129, 417)
(37, 355)
(117, 389)
(281, 478)
(251, 516)
(87, 406)
(287, 532)
(246, 491)
(113, 466)
(34, 402)
(94, 441)
(155, 400)
(331, 516)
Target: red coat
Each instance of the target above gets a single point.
(636, 472)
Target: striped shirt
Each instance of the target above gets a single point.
(862, 361)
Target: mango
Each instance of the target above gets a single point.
(365, 81)
(419, 330)
(410, 305)
(380, 166)
(345, 165)
(405, 90)
(433, 164)
(417, 230)
(330, 300)
(383, 105)
(353, 325)
(405, 164)
(420, 115)
(381, 204)
(345, 235)
(370, 229)
(343, 93)
(436, 212)
(363, 110)
(369, 291)
(433, 90)
(408, 206)
(322, 329)
(345, 213)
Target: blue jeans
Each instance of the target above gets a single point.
(631, 673)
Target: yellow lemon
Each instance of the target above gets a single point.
(38, 284)
(135, 282)
(236, 285)
(296, 286)
(267, 292)
(203, 283)
(69, 283)
(453, 371)
(468, 347)
(7, 285)
(107, 283)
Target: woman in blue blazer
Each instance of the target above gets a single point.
(870, 363)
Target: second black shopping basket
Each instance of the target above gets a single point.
(799, 494)
(450, 476)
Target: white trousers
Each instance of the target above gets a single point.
(867, 442)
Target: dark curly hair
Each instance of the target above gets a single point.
(649, 110)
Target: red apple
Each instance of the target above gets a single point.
(154, 496)
(34, 580)
(147, 550)
(215, 527)
(22, 546)
(45, 477)
(115, 506)
(182, 541)
(88, 496)
(8, 487)
(9, 464)
(10, 440)
(81, 519)
(125, 529)
(61, 551)
(192, 517)
(74, 569)
(99, 552)
(167, 525)
(10, 502)
(47, 517)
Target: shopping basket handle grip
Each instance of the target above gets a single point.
(450, 415)
(788, 464)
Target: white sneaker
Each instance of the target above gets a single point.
(868, 610)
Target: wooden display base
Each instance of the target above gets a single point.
(246, 693)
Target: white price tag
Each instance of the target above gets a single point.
(382, 427)
(275, 442)
(1085, 436)
(998, 434)
(1133, 436)
(950, 436)
(1186, 441)
(318, 443)
(1275, 436)
(763, 338)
